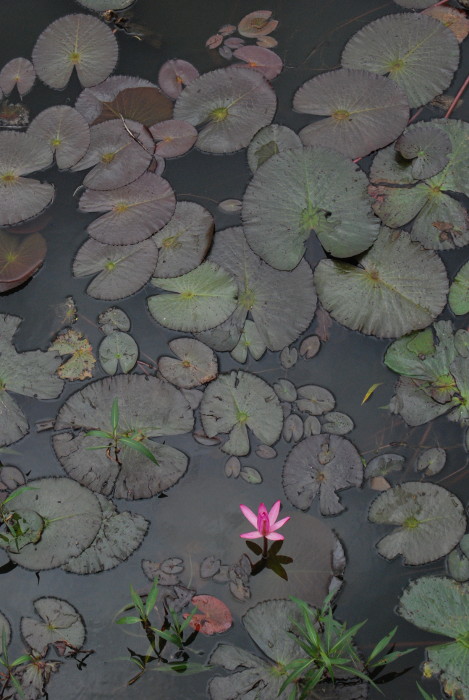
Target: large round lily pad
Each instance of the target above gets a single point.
(60, 622)
(321, 464)
(301, 190)
(398, 287)
(230, 105)
(364, 111)
(75, 41)
(237, 401)
(415, 50)
(71, 519)
(148, 407)
(430, 521)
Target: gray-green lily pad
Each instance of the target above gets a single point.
(414, 404)
(415, 50)
(427, 147)
(384, 464)
(230, 106)
(315, 400)
(363, 111)
(321, 465)
(5, 632)
(398, 287)
(458, 298)
(337, 423)
(113, 319)
(121, 270)
(430, 521)
(303, 190)
(60, 623)
(30, 373)
(239, 400)
(269, 141)
(457, 561)
(250, 341)
(72, 517)
(118, 349)
(197, 363)
(431, 461)
(65, 131)
(119, 536)
(281, 303)
(201, 299)
(148, 408)
(441, 606)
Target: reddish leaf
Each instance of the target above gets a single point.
(213, 616)
(174, 75)
(263, 60)
(257, 23)
(20, 256)
(146, 105)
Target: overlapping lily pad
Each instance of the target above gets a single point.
(230, 105)
(20, 257)
(28, 373)
(201, 299)
(18, 72)
(75, 41)
(66, 132)
(91, 101)
(144, 104)
(441, 606)
(269, 141)
(184, 242)
(263, 60)
(398, 287)
(71, 517)
(302, 190)
(134, 212)
(173, 137)
(118, 537)
(365, 111)
(416, 51)
(237, 401)
(60, 622)
(439, 220)
(174, 75)
(458, 298)
(149, 407)
(429, 521)
(120, 270)
(22, 198)
(197, 364)
(428, 147)
(281, 303)
(321, 464)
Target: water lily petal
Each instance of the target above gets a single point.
(273, 512)
(274, 536)
(247, 512)
(251, 535)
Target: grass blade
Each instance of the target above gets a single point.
(138, 447)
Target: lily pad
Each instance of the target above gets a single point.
(120, 270)
(398, 287)
(416, 51)
(66, 132)
(384, 464)
(257, 23)
(60, 622)
(258, 58)
(250, 341)
(337, 423)
(119, 536)
(269, 141)
(458, 298)
(200, 299)
(456, 20)
(281, 303)
(212, 615)
(427, 147)
(184, 242)
(197, 363)
(144, 104)
(321, 464)
(28, 373)
(71, 514)
(365, 111)
(119, 156)
(113, 319)
(431, 461)
(134, 212)
(237, 401)
(315, 400)
(174, 75)
(173, 137)
(80, 364)
(101, 5)
(430, 521)
(230, 105)
(20, 257)
(75, 41)
(90, 102)
(302, 190)
(22, 198)
(440, 605)
(118, 349)
(18, 72)
(148, 407)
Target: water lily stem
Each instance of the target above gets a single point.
(454, 103)
(266, 546)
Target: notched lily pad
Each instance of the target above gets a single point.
(66, 132)
(430, 521)
(60, 623)
(81, 363)
(197, 363)
(113, 319)
(427, 147)
(19, 73)
(431, 461)
(315, 400)
(118, 349)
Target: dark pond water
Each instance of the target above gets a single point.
(200, 516)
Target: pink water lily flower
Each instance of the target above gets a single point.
(265, 521)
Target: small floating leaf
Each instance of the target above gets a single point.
(173, 137)
(113, 319)
(19, 72)
(212, 615)
(337, 423)
(292, 428)
(257, 23)
(427, 147)
(260, 59)
(66, 132)
(432, 461)
(118, 349)
(230, 206)
(251, 475)
(60, 622)
(384, 464)
(174, 75)
(288, 357)
(456, 20)
(266, 452)
(310, 347)
(197, 363)
(232, 467)
(285, 390)
(314, 400)
(144, 104)
(80, 364)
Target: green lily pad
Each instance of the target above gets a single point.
(306, 189)
(148, 408)
(398, 287)
(237, 401)
(250, 341)
(363, 111)
(113, 319)
(458, 298)
(430, 521)
(441, 606)
(200, 299)
(415, 50)
(197, 363)
(457, 561)
(118, 537)
(230, 105)
(72, 517)
(118, 349)
(60, 622)
(269, 141)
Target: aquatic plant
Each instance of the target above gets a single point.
(265, 522)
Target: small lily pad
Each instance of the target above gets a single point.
(113, 319)
(60, 622)
(66, 132)
(427, 147)
(212, 615)
(80, 364)
(431, 461)
(118, 349)
(269, 141)
(315, 400)
(197, 363)
(337, 423)
(18, 72)
(384, 464)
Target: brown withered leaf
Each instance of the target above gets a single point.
(80, 364)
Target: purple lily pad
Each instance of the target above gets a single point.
(19, 72)
(173, 137)
(66, 132)
(90, 100)
(262, 60)
(174, 75)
